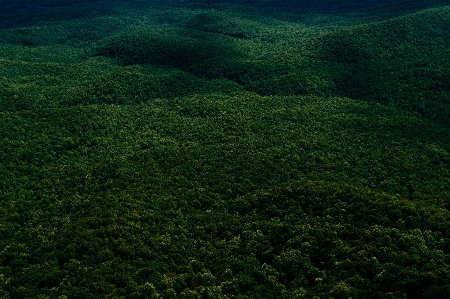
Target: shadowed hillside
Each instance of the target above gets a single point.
(404, 62)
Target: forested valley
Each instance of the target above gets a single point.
(224, 149)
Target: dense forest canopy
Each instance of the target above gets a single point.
(224, 149)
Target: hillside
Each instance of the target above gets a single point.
(224, 150)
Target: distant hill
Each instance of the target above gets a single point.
(403, 61)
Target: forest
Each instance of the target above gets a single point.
(224, 149)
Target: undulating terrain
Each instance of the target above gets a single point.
(212, 149)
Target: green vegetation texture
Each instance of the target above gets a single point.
(180, 149)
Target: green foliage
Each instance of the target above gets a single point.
(223, 151)
(137, 194)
